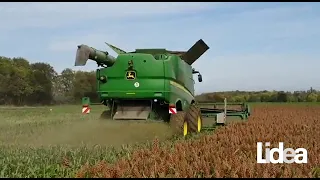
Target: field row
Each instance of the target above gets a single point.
(230, 152)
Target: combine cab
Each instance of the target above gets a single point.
(155, 84)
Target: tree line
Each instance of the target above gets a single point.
(310, 95)
(25, 83)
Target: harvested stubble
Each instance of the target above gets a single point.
(230, 151)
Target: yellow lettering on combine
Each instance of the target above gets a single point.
(180, 87)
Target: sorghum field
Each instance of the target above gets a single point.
(62, 142)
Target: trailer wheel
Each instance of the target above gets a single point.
(178, 123)
(194, 119)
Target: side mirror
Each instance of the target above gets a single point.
(199, 77)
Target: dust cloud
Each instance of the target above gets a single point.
(102, 132)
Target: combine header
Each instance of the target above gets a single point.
(220, 111)
(154, 84)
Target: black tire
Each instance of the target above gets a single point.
(176, 122)
(192, 116)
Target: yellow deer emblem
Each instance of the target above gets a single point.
(131, 75)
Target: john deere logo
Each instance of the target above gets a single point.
(131, 75)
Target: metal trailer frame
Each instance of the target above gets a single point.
(220, 114)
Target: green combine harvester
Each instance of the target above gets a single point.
(154, 84)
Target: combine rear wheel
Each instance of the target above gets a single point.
(194, 119)
(178, 123)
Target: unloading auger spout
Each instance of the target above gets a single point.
(85, 52)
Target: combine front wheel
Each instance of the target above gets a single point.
(194, 119)
(178, 123)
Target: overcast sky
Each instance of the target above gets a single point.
(253, 46)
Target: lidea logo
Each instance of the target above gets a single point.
(287, 155)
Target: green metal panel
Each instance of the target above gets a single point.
(164, 77)
(179, 80)
(148, 82)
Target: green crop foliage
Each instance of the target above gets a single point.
(56, 141)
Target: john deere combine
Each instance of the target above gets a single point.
(153, 84)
